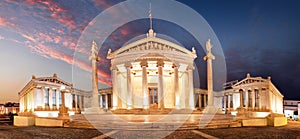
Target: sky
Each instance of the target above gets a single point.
(39, 37)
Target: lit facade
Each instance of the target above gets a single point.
(152, 73)
(252, 94)
(42, 96)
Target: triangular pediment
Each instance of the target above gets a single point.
(249, 81)
(54, 80)
(151, 44)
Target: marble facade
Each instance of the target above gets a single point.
(254, 94)
(152, 73)
(42, 96)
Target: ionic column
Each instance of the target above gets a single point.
(224, 101)
(228, 100)
(259, 98)
(191, 89)
(129, 87)
(43, 97)
(199, 100)
(57, 99)
(75, 102)
(205, 98)
(50, 97)
(160, 88)
(115, 89)
(241, 98)
(253, 98)
(176, 88)
(36, 98)
(247, 99)
(106, 101)
(145, 85)
(101, 101)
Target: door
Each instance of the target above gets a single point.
(153, 98)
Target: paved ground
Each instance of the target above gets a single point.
(291, 131)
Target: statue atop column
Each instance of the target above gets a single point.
(209, 54)
(208, 58)
(94, 58)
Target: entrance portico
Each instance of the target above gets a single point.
(152, 73)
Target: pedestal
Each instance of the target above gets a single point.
(63, 114)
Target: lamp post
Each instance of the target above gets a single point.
(63, 110)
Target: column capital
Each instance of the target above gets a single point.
(128, 65)
(144, 63)
(160, 63)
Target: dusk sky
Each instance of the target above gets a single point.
(39, 37)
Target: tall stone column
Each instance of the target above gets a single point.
(208, 58)
(94, 58)
(115, 89)
(176, 88)
(129, 87)
(160, 88)
(145, 85)
(191, 89)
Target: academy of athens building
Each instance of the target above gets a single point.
(152, 73)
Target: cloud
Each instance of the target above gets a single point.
(4, 22)
(1, 37)
(57, 12)
(38, 47)
(102, 3)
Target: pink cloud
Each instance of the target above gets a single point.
(125, 31)
(59, 13)
(48, 52)
(28, 37)
(4, 22)
(1, 37)
(102, 3)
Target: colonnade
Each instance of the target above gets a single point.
(49, 98)
(189, 102)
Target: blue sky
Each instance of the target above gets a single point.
(39, 38)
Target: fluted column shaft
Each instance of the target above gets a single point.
(115, 89)
(160, 86)
(176, 88)
(145, 86)
(129, 88)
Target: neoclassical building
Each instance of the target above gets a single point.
(253, 94)
(152, 73)
(42, 96)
